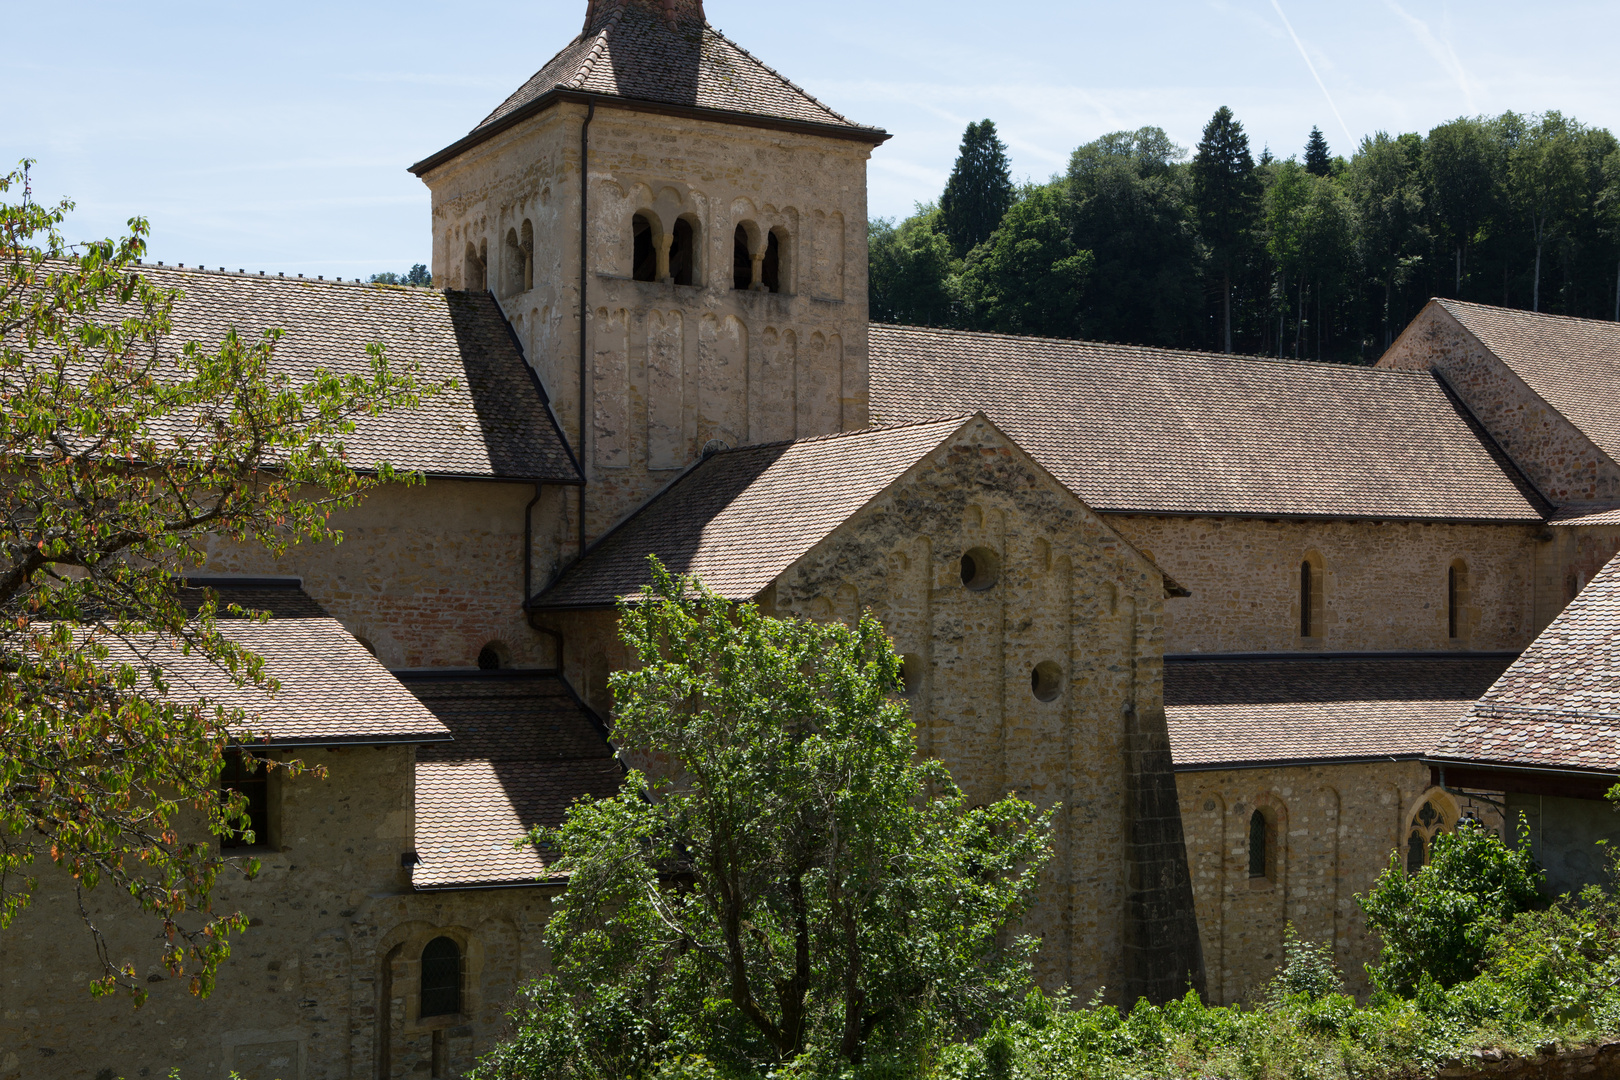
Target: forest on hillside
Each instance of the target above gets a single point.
(1312, 256)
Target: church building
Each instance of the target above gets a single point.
(1256, 625)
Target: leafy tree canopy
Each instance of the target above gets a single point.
(979, 191)
(1026, 279)
(1436, 924)
(794, 884)
(121, 453)
(911, 272)
(418, 275)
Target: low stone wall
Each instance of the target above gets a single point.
(1599, 1062)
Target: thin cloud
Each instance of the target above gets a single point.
(1351, 139)
(1443, 53)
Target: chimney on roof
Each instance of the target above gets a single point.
(673, 12)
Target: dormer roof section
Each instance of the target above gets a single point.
(662, 56)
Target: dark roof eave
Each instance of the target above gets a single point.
(1270, 515)
(471, 886)
(1267, 657)
(1483, 765)
(477, 478)
(1296, 762)
(871, 136)
(315, 742)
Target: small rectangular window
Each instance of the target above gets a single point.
(252, 780)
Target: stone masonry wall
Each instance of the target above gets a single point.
(1560, 461)
(1568, 556)
(324, 983)
(1385, 583)
(670, 367)
(1070, 598)
(1332, 829)
(1068, 593)
(428, 575)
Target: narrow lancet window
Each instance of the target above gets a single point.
(1257, 845)
(1306, 628)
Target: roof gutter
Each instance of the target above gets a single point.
(1296, 762)
(871, 136)
(1542, 770)
(324, 743)
(584, 308)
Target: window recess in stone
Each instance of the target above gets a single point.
(1259, 864)
(441, 978)
(251, 780)
(980, 569)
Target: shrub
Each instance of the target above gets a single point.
(1438, 922)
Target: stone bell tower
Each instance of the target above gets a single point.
(705, 284)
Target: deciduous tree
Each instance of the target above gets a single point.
(911, 271)
(794, 882)
(120, 451)
(1027, 278)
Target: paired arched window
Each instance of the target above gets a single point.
(760, 261)
(671, 257)
(441, 978)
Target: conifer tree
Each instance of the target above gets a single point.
(979, 191)
(1226, 194)
(1318, 162)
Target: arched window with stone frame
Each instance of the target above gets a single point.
(1264, 850)
(1458, 594)
(746, 269)
(512, 265)
(1435, 813)
(776, 267)
(686, 251)
(526, 243)
(1311, 601)
(644, 239)
(441, 974)
(472, 272)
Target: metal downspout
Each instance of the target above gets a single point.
(584, 307)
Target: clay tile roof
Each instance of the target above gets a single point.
(1571, 364)
(662, 60)
(525, 748)
(1160, 431)
(494, 424)
(1558, 706)
(332, 690)
(1234, 711)
(508, 716)
(1579, 514)
(468, 813)
(739, 518)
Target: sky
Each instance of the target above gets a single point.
(276, 136)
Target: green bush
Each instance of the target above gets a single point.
(1437, 923)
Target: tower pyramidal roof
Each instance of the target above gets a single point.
(664, 56)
